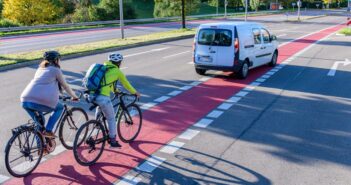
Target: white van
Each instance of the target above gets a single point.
(233, 46)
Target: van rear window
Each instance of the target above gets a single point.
(215, 37)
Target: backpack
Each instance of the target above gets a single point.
(94, 79)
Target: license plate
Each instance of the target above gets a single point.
(205, 59)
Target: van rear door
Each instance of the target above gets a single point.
(206, 51)
(225, 48)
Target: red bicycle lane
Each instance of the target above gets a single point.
(161, 124)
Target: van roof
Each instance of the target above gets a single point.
(235, 23)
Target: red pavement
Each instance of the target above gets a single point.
(161, 124)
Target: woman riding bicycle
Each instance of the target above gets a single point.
(112, 75)
(42, 93)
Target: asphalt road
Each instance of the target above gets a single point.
(293, 129)
(15, 44)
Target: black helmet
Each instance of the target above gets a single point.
(51, 56)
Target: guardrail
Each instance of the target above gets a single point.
(24, 28)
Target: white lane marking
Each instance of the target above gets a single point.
(215, 114)
(191, 63)
(225, 106)
(233, 99)
(285, 43)
(266, 76)
(333, 69)
(151, 164)
(270, 73)
(186, 88)
(162, 99)
(274, 70)
(169, 56)
(242, 93)
(128, 180)
(204, 79)
(75, 80)
(147, 106)
(144, 52)
(285, 62)
(188, 134)
(195, 83)
(261, 80)
(3, 178)
(59, 149)
(172, 147)
(203, 123)
(122, 68)
(174, 93)
(282, 35)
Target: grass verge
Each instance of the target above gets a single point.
(73, 28)
(81, 49)
(346, 31)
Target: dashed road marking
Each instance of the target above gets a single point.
(233, 99)
(144, 52)
(242, 93)
(172, 147)
(151, 164)
(188, 134)
(225, 106)
(261, 80)
(128, 180)
(169, 56)
(270, 73)
(174, 93)
(162, 99)
(147, 106)
(203, 123)
(215, 114)
(204, 79)
(266, 76)
(186, 87)
(195, 83)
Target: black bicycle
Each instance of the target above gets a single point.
(92, 136)
(27, 145)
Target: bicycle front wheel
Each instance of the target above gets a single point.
(72, 121)
(89, 143)
(23, 153)
(129, 123)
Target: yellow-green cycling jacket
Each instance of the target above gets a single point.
(112, 75)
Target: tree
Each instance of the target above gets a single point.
(30, 12)
(1, 6)
(254, 4)
(169, 8)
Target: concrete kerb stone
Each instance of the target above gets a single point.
(99, 51)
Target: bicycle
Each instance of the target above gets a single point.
(91, 137)
(29, 143)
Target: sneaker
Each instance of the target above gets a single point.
(115, 144)
(48, 134)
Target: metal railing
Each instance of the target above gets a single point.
(24, 28)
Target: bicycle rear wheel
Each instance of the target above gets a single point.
(129, 124)
(89, 143)
(72, 121)
(23, 153)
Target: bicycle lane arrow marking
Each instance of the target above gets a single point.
(161, 124)
(334, 68)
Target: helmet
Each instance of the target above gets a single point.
(115, 57)
(51, 56)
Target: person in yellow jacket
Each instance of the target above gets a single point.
(112, 75)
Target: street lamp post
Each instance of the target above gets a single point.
(183, 14)
(298, 10)
(217, 6)
(121, 21)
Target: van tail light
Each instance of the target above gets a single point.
(236, 45)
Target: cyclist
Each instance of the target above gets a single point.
(112, 75)
(42, 93)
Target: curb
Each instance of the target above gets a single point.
(314, 17)
(94, 52)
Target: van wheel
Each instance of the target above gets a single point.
(244, 70)
(200, 71)
(274, 60)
